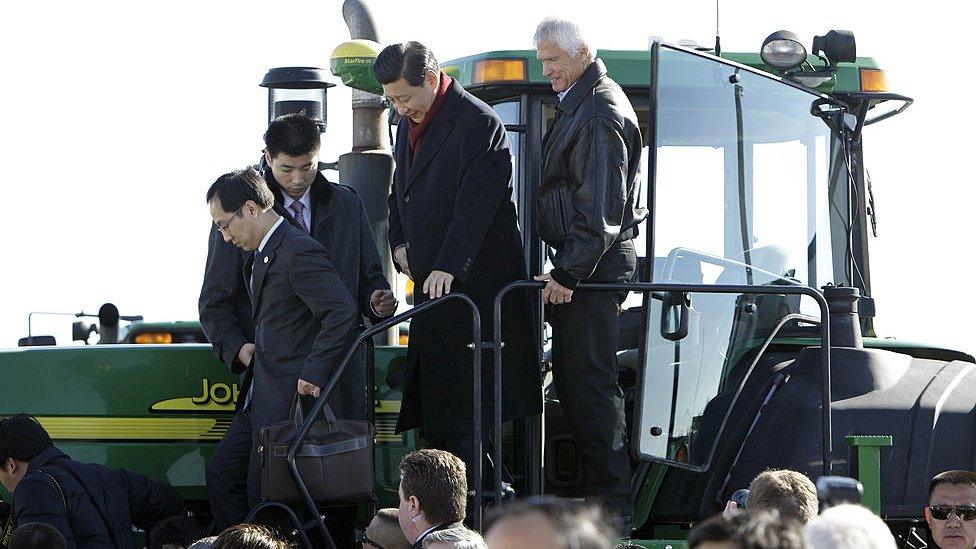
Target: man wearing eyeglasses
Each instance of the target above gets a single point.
(334, 216)
(951, 512)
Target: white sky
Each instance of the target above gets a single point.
(116, 116)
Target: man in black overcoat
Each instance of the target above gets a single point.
(336, 217)
(453, 228)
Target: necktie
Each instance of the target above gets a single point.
(299, 210)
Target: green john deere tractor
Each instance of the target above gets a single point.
(748, 342)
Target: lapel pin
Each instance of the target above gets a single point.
(265, 259)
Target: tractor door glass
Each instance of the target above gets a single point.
(741, 182)
(690, 386)
(741, 198)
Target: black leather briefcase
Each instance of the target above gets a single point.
(335, 460)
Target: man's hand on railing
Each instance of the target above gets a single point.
(438, 284)
(554, 292)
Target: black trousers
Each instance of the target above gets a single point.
(584, 351)
(234, 484)
(234, 474)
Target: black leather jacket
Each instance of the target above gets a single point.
(590, 176)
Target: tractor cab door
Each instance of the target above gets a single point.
(741, 194)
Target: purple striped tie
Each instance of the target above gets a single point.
(299, 210)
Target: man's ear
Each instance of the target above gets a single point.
(251, 208)
(267, 156)
(415, 504)
(433, 79)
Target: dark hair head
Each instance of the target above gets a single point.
(715, 529)
(22, 438)
(437, 479)
(37, 535)
(789, 492)
(952, 477)
(180, 530)
(578, 525)
(248, 536)
(750, 529)
(292, 134)
(410, 60)
(235, 188)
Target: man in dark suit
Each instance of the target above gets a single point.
(453, 227)
(586, 211)
(337, 219)
(304, 316)
(432, 492)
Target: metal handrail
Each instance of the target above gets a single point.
(649, 287)
(351, 350)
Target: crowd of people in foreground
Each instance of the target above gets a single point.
(62, 503)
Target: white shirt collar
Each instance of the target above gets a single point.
(306, 199)
(563, 93)
(267, 235)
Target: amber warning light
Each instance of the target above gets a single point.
(873, 80)
(499, 70)
(154, 338)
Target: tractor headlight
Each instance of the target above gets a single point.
(782, 50)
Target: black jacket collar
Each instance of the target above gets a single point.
(583, 87)
(322, 189)
(46, 457)
(438, 131)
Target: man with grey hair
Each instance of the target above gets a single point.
(849, 526)
(587, 212)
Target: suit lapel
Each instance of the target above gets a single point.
(439, 130)
(262, 262)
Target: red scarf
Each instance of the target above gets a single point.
(415, 131)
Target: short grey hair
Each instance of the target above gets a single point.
(849, 526)
(563, 33)
(460, 538)
(205, 543)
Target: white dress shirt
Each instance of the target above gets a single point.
(267, 235)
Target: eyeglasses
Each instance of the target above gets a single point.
(222, 226)
(361, 537)
(966, 513)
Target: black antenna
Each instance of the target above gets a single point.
(718, 41)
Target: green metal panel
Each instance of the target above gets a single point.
(160, 409)
(648, 492)
(631, 68)
(868, 448)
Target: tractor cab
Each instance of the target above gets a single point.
(754, 177)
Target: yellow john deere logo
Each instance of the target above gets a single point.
(213, 397)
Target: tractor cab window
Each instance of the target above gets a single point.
(511, 114)
(742, 197)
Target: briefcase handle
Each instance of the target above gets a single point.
(298, 415)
